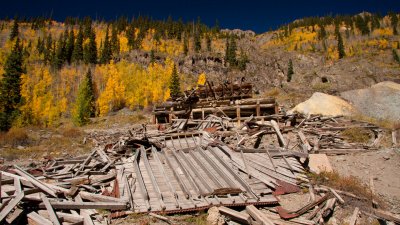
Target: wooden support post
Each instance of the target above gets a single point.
(238, 114)
(258, 112)
(10, 206)
(42, 186)
(53, 217)
(258, 215)
(139, 177)
(243, 218)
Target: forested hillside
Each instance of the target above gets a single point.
(60, 70)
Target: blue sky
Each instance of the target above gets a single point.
(256, 15)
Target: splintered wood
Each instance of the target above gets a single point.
(190, 166)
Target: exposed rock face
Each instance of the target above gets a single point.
(326, 105)
(214, 217)
(380, 101)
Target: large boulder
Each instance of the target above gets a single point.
(324, 104)
(380, 101)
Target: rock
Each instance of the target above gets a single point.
(19, 147)
(214, 217)
(380, 101)
(326, 105)
(386, 157)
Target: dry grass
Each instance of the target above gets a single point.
(356, 134)
(71, 132)
(388, 124)
(14, 137)
(345, 183)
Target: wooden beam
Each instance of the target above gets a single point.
(258, 215)
(10, 206)
(52, 215)
(87, 205)
(235, 215)
(38, 219)
(42, 186)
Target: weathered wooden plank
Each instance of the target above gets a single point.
(42, 186)
(152, 177)
(7, 209)
(258, 216)
(354, 216)
(52, 215)
(87, 205)
(38, 219)
(235, 215)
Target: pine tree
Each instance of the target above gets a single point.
(77, 54)
(185, 46)
(340, 46)
(10, 87)
(115, 41)
(90, 50)
(152, 57)
(48, 51)
(69, 46)
(85, 102)
(208, 41)
(395, 56)
(106, 52)
(59, 58)
(14, 30)
(394, 20)
(197, 41)
(230, 51)
(290, 71)
(322, 32)
(174, 85)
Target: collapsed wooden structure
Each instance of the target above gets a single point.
(192, 165)
(233, 101)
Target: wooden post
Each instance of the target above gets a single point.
(258, 108)
(170, 115)
(202, 113)
(238, 114)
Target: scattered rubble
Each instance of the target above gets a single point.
(193, 164)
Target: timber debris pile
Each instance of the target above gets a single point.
(191, 164)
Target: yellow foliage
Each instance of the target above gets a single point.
(202, 79)
(123, 43)
(113, 96)
(383, 32)
(378, 43)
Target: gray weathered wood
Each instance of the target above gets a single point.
(258, 215)
(235, 215)
(10, 206)
(52, 215)
(38, 219)
(42, 186)
(354, 216)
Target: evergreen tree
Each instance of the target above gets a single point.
(59, 58)
(77, 54)
(152, 57)
(14, 30)
(90, 50)
(106, 52)
(290, 71)
(10, 87)
(48, 51)
(208, 40)
(340, 46)
(197, 41)
(85, 102)
(395, 56)
(230, 51)
(69, 46)
(115, 41)
(394, 20)
(322, 32)
(185, 46)
(174, 85)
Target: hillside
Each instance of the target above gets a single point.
(132, 61)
